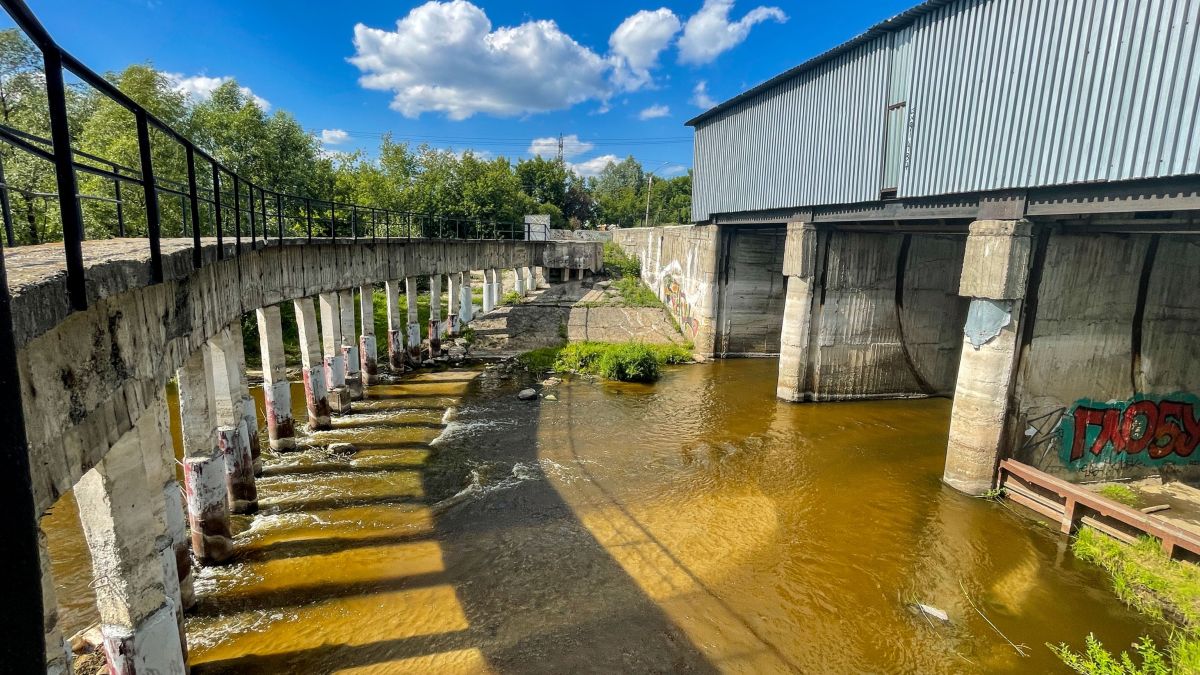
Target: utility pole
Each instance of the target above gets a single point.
(560, 148)
(649, 187)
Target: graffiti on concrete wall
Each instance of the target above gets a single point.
(1144, 430)
(682, 291)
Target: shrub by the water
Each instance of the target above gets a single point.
(511, 298)
(619, 264)
(625, 361)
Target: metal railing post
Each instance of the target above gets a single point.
(279, 215)
(153, 225)
(216, 178)
(64, 170)
(308, 212)
(237, 215)
(120, 205)
(6, 208)
(194, 202)
(253, 217)
(354, 221)
(22, 625)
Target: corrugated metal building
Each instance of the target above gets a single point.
(964, 96)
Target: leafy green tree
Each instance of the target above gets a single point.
(545, 180)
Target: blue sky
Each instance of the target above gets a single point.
(621, 76)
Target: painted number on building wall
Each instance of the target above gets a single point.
(1141, 431)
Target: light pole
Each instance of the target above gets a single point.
(649, 189)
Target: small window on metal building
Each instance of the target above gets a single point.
(895, 126)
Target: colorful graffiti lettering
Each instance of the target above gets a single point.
(1144, 430)
(676, 301)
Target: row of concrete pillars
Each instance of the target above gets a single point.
(994, 277)
(143, 531)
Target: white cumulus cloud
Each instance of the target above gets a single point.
(334, 136)
(654, 111)
(548, 146)
(700, 97)
(709, 32)
(445, 57)
(201, 87)
(636, 44)
(594, 166)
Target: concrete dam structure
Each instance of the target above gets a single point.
(946, 206)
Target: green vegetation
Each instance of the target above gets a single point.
(1164, 589)
(624, 361)
(539, 360)
(510, 299)
(618, 264)
(276, 152)
(1096, 660)
(1122, 494)
(634, 293)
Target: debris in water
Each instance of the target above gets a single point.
(929, 610)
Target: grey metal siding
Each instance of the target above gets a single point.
(1004, 94)
(815, 139)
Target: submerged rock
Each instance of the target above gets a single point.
(551, 382)
(527, 394)
(551, 397)
(342, 448)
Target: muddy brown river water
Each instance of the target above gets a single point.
(693, 525)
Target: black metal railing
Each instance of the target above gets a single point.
(270, 214)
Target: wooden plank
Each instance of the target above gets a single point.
(1172, 537)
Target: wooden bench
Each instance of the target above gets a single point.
(1072, 505)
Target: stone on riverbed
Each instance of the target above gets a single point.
(527, 394)
(551, 382)
(342, 448)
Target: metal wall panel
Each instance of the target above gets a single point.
(815, 139)
(1004, 94)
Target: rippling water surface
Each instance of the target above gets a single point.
(693, 525)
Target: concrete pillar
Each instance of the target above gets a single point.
(58, 651)
(367, 349)
(435, 315)
(529, 285)
(158, 456)
(354, 381)
(489, 292)
(497, 287)
(203, 464)
(334, 354)
(995, 274)
(539, 277)
(465, 310)
(316, 389)
(233, 429)
(122, 517)
(395, 336)
(799, 267)
(234, 404)
(277, 391)
(519, 282)
(452, 318)
(579, 274)
(414, 322)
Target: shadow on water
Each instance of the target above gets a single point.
(527, 587)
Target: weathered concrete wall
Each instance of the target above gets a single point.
(87, 376)
(751, 289)
(886, 320)
(1109, 378)
(580, 235)
(680, 264)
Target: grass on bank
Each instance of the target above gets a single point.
(1163, 589)
(1122, 494)
(624, 361)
